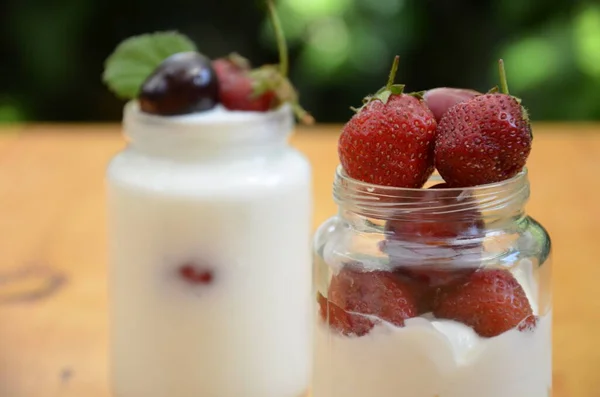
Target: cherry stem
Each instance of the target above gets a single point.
(393, 72)
(503, 82)
(280, 37)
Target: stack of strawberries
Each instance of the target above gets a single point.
(397, 140)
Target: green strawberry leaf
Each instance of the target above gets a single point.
(384, 96)
(385, 93)
(418, 94)
(126, 69)
(397, 89)
(265, 78)
(239, 61)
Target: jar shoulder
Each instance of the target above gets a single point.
(535, 228)
(326, 232)
(534, 239)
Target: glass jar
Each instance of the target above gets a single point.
(432, 292)
(210, 276)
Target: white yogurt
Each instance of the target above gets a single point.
(223, 191)
(433, 358)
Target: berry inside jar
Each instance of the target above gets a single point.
(433, 284)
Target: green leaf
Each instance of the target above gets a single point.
(266, 78)
(385, 93)
(384, 96)
(397, 89)
(418, 94)
(126, 69)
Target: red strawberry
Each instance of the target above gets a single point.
(376, 293)
(528, 324)
(237, 87)
(444, 219)
(390, 140)
(423, 294)
(341, 321)
(437, 215)
(491, 302)
(433, 277)
(261, 89)
(483, 140)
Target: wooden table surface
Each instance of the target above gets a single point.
(53, 320)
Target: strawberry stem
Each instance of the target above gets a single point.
(503, 82)
(393, 72)
(302, 115)
(280, 37)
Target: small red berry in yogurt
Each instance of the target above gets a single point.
(195, 275)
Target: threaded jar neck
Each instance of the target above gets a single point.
(496, 201)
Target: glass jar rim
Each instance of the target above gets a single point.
(520, 177)
(389, 202)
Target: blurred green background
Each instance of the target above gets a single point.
(52, 52)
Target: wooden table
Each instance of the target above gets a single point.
(53, 320)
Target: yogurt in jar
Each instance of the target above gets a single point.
(432, 357)
(210, 220)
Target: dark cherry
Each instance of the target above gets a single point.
(194, 275)
(183, 83)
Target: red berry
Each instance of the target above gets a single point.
(237, 87)
(528, 324)
(376, 293)
(422, 292)
(425, 282)
(439, 100)
(261, 89)
(342, 321)
(390, 144)
(491, 302)
(195, 275)
(435, 276)
(390, 140)
(437, 216)
(484, 140)
(441, 219)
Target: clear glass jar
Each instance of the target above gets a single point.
(432, 292)
(210, 276)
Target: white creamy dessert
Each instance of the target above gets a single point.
(433, 358)
(210, 220)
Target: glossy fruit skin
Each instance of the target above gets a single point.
(429, 229)
(236, 88)
(483, 140)
(427, 226)
(183, 83)
(376, 293)
(390, 144)
(423, 294)
(491, 302)
(341, 321)
(439, 100)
